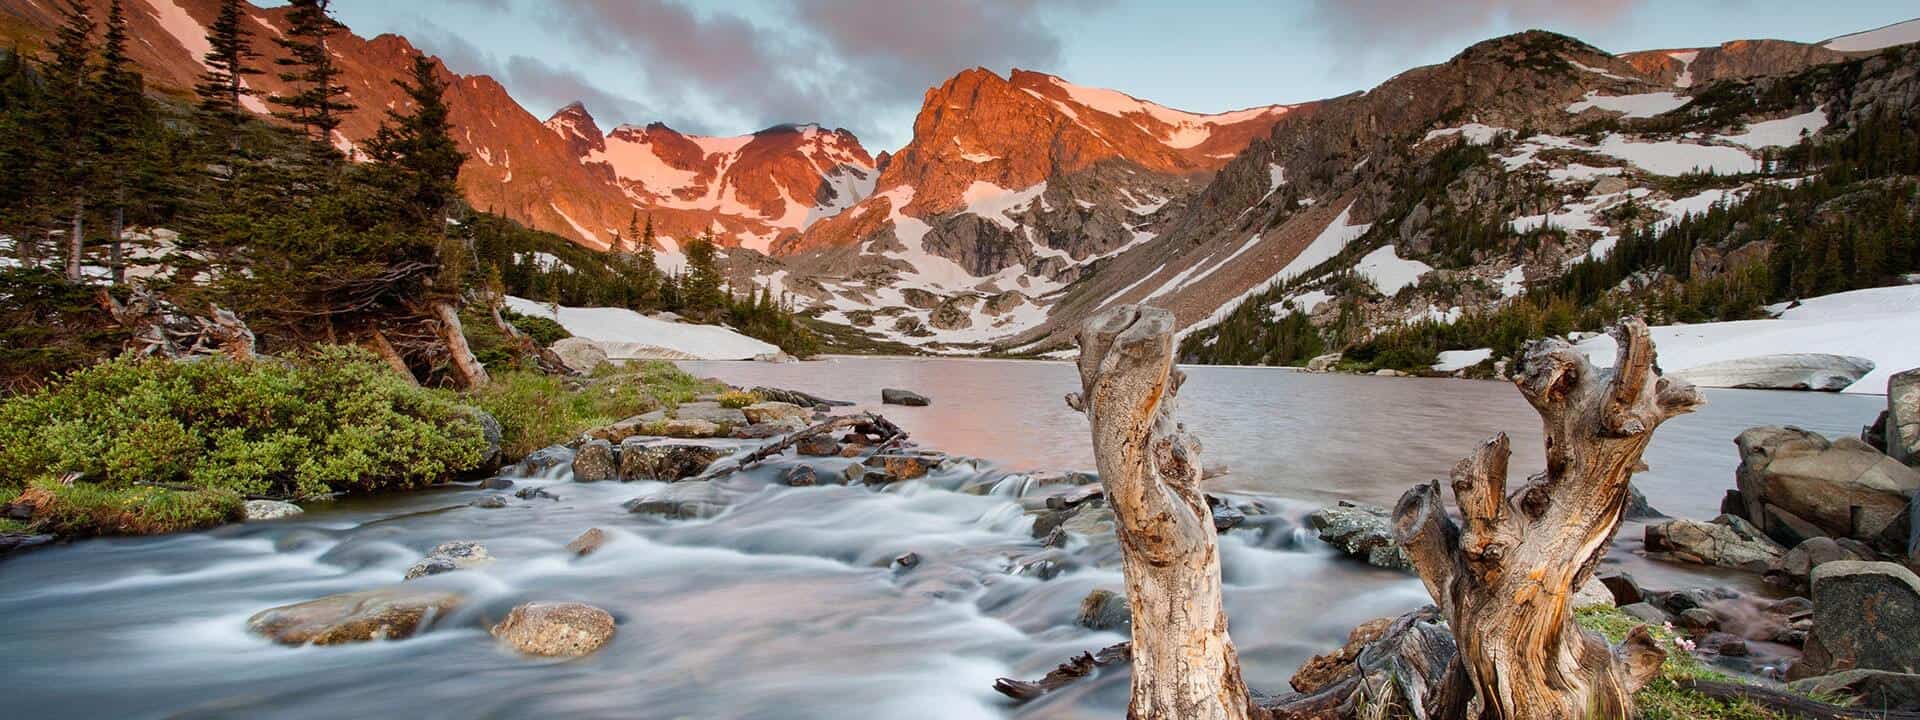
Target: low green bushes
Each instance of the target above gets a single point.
(334, 420)
(538, 410)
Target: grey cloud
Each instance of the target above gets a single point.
(538, 85)
(1405, 28)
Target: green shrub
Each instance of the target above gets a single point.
(538, 410)
(737, 399)
(543, 330)
(333, 420)
(87, 509)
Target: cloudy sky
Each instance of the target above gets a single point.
(735, 66)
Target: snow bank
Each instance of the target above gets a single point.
(627, 335)
(1896, 34)
(1668, 157)
(1878, 324)
(1782, 132)
(1451, 360)
(1389, 272)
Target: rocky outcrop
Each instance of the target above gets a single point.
(1794, 484)
(580, 355)
(1866, 616)
(555, 629)
(1728, 541)
(1788, 371)
(1903, 417)
(450, 556)
(383, 614)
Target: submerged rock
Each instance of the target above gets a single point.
(384, 614)
(1362, 531)
(1105, 610)
(896, 396)
(1786, 371)
(556, 629)
(258, 510)
(491, 502)
(450, 556)
(588, 542)
(796, 397)
(710, 411)
(683, 501)
(820, 445)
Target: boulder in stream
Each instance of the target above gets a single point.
(595, 462)
(384, 614)
(1728, 541)
(681, 501)
(896, 396)
(1795, 484)
(588, 542)
(710, 411)
(771, 412)
(258, 510)
(643, 459)
(1362, 531)
(551, 629)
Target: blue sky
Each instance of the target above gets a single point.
(735, 66)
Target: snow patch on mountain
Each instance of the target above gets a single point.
(1782, 132)
(1634, 106)
(1388, 271)
(1671, 157)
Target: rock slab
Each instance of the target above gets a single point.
(896, 396)
(383, 614)
(1866, 616)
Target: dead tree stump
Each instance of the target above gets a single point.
(1505, 579)
(1184, 664)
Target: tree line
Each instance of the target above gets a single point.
(275, 222)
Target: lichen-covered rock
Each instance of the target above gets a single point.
(689, 428)
(450, 556)
(800, 476)
(258, 510)
(1362, 531)
(1903, 417)
(666, 462)
(491, 431)
(1795, 568)
(710, 411)
(594, 462)
(1866, 616)
(556, 629)
(895, 467)
(635, 425)
(820, 445)
(384, 614)
(1728, 541)
(1105, 610)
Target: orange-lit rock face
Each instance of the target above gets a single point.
(1015, 132)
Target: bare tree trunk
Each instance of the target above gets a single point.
(76, 242)
(116, 253)
(1505, 581)
(1184, 665)
(377, 341)
(467, 370)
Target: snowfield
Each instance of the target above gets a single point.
(1879, 324)
(628, 335)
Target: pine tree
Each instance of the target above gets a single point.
(72, 108)
(117, 136)
(701, 289)
(646, 264)
(319, 100)
(416, 151)
(223, 86)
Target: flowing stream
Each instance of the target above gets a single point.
(784, 606)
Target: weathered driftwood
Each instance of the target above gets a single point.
(1184, 665)
(467, 370)
(376, 341)
(1505, 579)
(1074, 669)
(791, 439)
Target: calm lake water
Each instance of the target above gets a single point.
(782, 606)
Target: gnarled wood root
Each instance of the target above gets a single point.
(1504, 578)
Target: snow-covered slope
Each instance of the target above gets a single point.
(1899, 33)
(626, 334)
(1880, 324)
